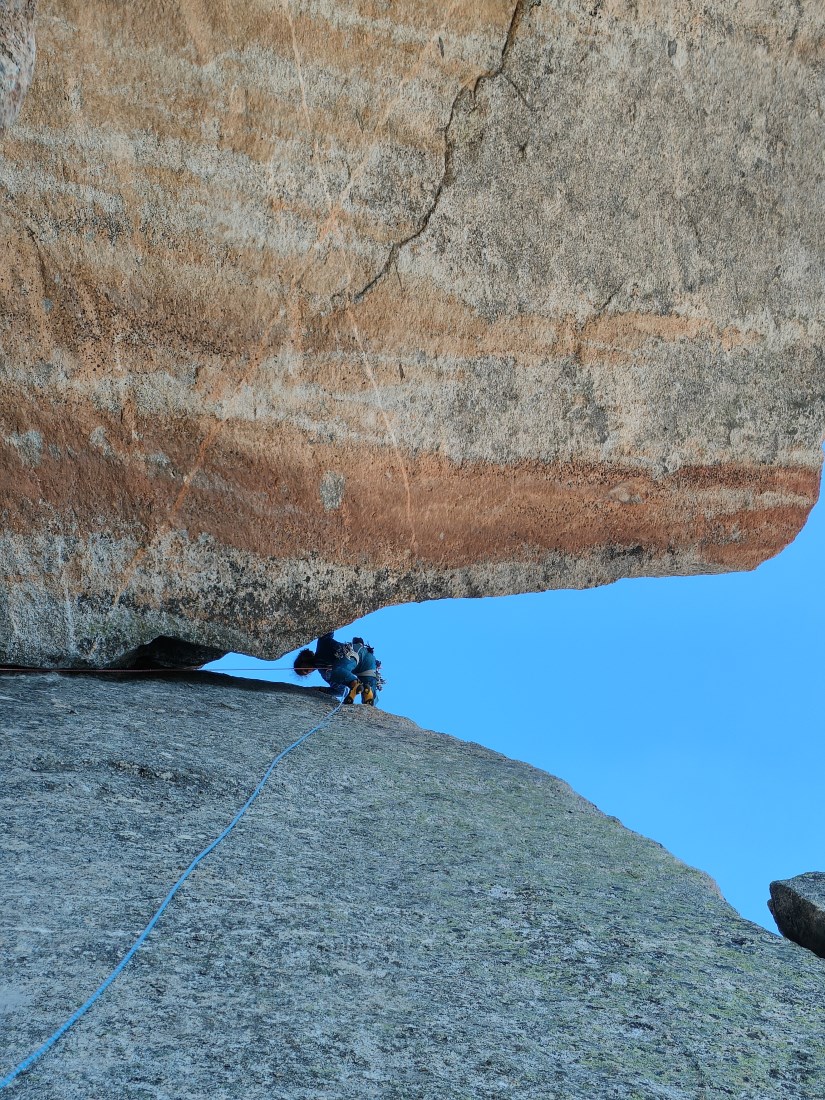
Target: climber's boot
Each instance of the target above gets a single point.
(368, 695)
(355, 687)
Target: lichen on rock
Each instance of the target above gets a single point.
(401, 914)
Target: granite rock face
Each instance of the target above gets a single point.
(17, 53)
(798, 907)
(399, 915)
(309, 308)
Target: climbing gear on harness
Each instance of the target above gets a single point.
(355, 687)
(28, 1062)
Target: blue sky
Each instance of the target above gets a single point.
(691, 708)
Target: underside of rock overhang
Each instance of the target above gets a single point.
(310, 309)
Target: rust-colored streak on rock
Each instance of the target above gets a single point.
(310, 308)
(478, 512)
(268, 502)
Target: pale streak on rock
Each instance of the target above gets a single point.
(334, 207)
(17, 56)
(488, 280)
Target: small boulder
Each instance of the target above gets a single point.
(798, 907)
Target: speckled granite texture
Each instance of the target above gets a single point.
(402, 916)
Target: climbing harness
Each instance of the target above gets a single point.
(104, 985)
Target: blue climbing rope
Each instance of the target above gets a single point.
(104, 985)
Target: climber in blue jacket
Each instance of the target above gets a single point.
(336, 661)
(345, 667)
(367, 671)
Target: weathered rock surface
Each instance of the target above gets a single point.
(313, 307)
(17, 53)
(401, 915)
(798, 907)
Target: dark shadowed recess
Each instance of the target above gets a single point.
(167, 652)
(161, 653)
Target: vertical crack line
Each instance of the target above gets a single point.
(367, 366)
(402, 466)
(446, 177)
(331, 220)
(521, 8)
(329, 225)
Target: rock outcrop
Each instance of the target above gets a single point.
(17, 53)
(798, 907)
(311, 308)
(399, 915)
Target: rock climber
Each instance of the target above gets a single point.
(349, 667)
(368, 671)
